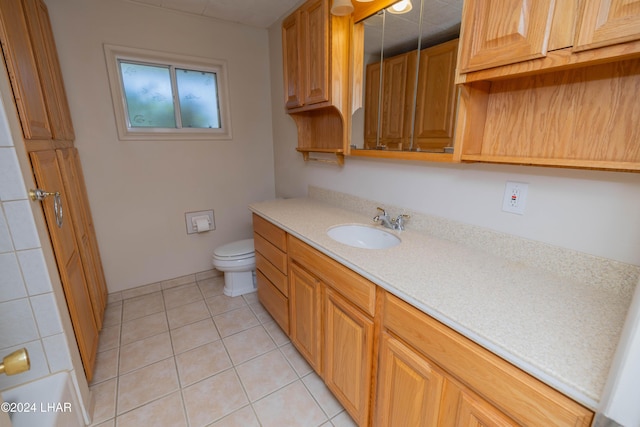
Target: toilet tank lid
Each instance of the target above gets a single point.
(239, 247)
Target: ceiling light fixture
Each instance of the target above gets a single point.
(341, 7)
(402, 6)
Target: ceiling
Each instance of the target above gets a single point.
(441, 18)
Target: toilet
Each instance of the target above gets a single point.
(237, 260)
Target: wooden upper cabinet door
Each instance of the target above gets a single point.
(49, 67)
(291, 61)
(607, 22)
(504, 32)
(23, 71)
(315, 33)
(63, 238)
(395, 97)
(371, 99)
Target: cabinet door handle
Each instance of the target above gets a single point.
(40, 195)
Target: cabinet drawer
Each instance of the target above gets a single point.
(351, 285)
(274, 302)
(276, 236)
(519, 396)
(272, 254)
(275, 276)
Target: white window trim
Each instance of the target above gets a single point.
(125, 132)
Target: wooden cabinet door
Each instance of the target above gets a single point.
(464, 408)
(436, 100)
(23, 72)
(315, 51)
(607, 22)
(291, 37)
(371, 99)
(49, 67)
(47, 173)
(397, 99)
(80, 217)
(305, 323)
(409, 389)
(348, 355)
(505, 32)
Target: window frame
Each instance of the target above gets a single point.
(114, 54)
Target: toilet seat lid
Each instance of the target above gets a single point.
(235, 249)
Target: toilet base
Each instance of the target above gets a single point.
(238, 283)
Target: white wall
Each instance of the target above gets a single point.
(139, 191)
(590, 211)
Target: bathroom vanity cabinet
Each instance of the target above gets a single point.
(390, 364)
(271, 270)
(528, 92)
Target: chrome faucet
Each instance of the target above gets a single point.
(393, 223)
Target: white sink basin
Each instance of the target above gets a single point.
(363, 236)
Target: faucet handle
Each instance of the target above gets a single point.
(399, 221)
(384, 213)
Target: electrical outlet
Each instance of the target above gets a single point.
(515, 197)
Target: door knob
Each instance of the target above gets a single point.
(40, 195)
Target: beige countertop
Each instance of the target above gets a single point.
(560, 330)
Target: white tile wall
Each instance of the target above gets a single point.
(11, 183)
(17, 324)
(5, 239)
(34, 271)
(46, 313)
(11, 283)
(21, 224)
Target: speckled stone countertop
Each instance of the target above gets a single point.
(561, 330)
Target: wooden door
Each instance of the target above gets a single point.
(314, 17)
(47, 60)
(505, 32)
(47, 173)
(607, 22)
(68, 162)
(23, 72)
(292, 71)
(348, 355)
(435, 101)
(409, 389)
(395, 99)
(305, 325)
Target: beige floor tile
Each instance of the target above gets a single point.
(144, 327)
(343, 420)
(297, 361)
(213, 398)
(146, 384)
(145, 352)
(181, 295)
(260, 312)
(291, 406)
(265, 374)
(178, 281)
(235, 321)
(202, 362)
(211, 287)
(207, 274)
(109, 338)
(322, 395)
(194, 335)
(135, 308)
(141, 290)
(241, 418)
(221, 304)
(188, 313)
(251, 298)
(165, 412)
(112, 314)
(106, 366)
(276, 333)
(104, 395)
(110, 423)
(114, 297)
(248, 344)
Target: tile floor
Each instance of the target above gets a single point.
(188, 355)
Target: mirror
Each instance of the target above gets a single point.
(408, 92)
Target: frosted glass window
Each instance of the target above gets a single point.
(167, 96)
(149, 96)
(198, 94)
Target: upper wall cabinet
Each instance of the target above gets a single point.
(32, 62)
(316, 48)
(567, 101)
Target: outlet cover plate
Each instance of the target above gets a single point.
(515, 197)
